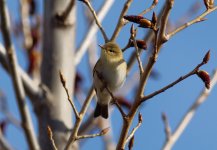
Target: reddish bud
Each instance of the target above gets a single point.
(154, 18)
(104, 131)
(133, 18)
(140, 43)
(145, 23)
(206, 57)
(204, 77)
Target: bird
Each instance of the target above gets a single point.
(109, 74)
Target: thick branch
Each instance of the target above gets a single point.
(16, 78)
(189, 115)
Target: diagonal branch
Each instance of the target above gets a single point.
(63, 81)
(87, 2)
(189, 115)
(120, 23)
(78, 121)
(16, 78)
(196, 20)
(193, 72)
(92, 31)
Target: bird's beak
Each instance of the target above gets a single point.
(101, 46)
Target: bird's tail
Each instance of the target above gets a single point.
(101, 110)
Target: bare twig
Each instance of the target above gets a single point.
(63, 81)
(103, 132)
(87, 2)
(133, 34)
(193, 72)
(189, 115)
(120, 23)
(50, 135)
(92, 31)
(167, 128)
(148, 9)
(196, 20)
(78, 121)
(135, 129)
(17, 83)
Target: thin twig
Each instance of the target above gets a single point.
(103, 132)
(87, 2)
(120, 23)
(92, 31)
(196, 20)
(190, 114)
(135, 129)
(137, 53)
(148, 9)
(193, 72)
(78, 121)
(16, 78)
(50, 135)
(63, 81)
(167, 128)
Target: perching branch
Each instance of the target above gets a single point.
(92, 31)
(16, 78)
(63, 81)
(196, 20)
(189, 114)
(87, 2)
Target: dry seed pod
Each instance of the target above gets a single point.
(133, 18)
(104, 131)
(204, 77)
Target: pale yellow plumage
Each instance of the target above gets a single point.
(110, 71)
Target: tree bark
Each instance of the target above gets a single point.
(58, 54)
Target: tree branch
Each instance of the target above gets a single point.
(78, 121)
(189, 114)
(16, 78)
(87, 2)
(120, 23)
(50, 135)
(92, 31)
(196, 20)
(63, 81)
(4, 145)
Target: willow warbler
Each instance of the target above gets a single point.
(109, 72)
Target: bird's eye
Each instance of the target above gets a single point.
(111, 50)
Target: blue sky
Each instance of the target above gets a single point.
(179, 55)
